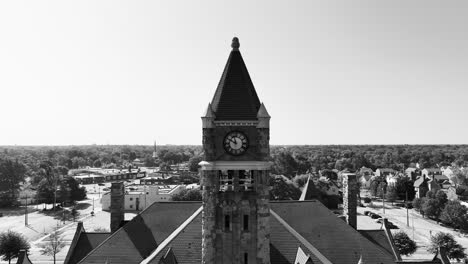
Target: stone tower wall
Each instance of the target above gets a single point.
(263, 217)
(350, 189)
(117, 205)
(210, 188)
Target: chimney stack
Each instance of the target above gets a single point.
(350, 189)
(117, 205)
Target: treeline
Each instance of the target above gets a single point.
(292, 160)
(287, 160)
(106, 156)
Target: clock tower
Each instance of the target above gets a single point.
(235, 170)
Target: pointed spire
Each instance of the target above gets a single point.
(235, 98)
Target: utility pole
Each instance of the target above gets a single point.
(407, 210)
(55, 193)
(26, 212)
(383, 198)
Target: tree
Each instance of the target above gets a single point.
(75, 192)
(300, 180)
(382, 189)
(97, 163)
(53, 245)
(434, 203)
(10, 245)
(417, 204)
(447, 241)
(431, 208)
(405, 186)
(374, 186)
(193, 163)
(12, 173)
(455, 214)
(45, 192)
(283, 189)
(391, 194)
(285, 164)
(188, 195)
(405, 245)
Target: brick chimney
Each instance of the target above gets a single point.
(117, 205)
(350, 189)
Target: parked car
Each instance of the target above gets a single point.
(367, 212)
(375, 216)
(101, 184)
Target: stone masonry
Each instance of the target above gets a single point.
(350, 189)
(117, 205)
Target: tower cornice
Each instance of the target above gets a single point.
(235, 165)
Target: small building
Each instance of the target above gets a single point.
(139, 197)
(434, 174)
(412, 173)
(392, 179)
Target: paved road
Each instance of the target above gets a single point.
(40, 225)
(420, 229)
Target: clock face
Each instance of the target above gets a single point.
(236, 143)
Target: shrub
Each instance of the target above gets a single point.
(405, 245)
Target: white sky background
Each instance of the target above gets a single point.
(130, 72)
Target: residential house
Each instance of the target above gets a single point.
(385, 172)
(434, 174)
(457, 193)
(423, 184)
(364, 179)
(412, 173)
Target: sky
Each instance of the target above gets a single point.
(329, 72)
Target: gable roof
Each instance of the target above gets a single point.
(235, 98)
(138, 238)
(335, 239)
(82, 243)
(378, 237)
(171, 232)
(23, 257)
(420, 180)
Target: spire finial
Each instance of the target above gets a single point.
(235, 43)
